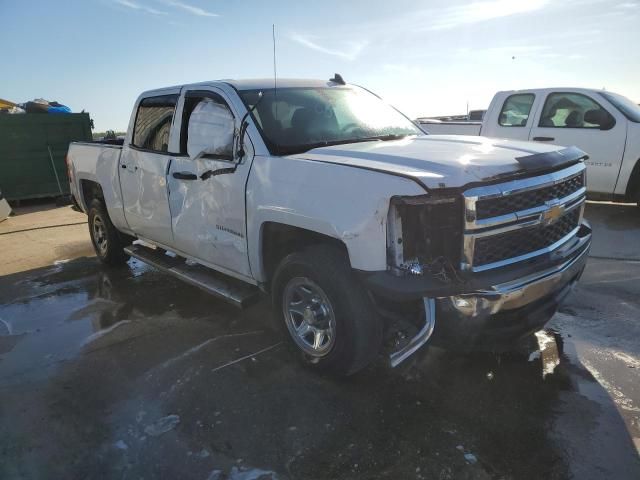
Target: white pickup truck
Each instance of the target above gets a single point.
(340, 208)
(603, 124)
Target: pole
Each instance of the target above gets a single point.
(53, 165)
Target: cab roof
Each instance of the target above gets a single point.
(265, 83)
(248, 84)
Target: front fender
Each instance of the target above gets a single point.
(346, 203)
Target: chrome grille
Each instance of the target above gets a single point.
(513, 221)
(494, 207)
(520, 242)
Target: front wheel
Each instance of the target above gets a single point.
(327, 313)
(107, 241)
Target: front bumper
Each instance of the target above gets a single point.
(497, 318)
(477, 315)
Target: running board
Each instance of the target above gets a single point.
(218, 284)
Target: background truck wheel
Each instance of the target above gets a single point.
(326, 312)
(107, 241)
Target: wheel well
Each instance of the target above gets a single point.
(279, 240)
(633, 185)
(90, 190)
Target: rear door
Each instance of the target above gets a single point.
(207, 192)
(143, 168)
(572, 118)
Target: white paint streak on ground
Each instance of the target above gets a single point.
(200, 346)
(215, 475)
(238, 360)
(162, 425)
(101, 333)
(251, 474)
(8, 325)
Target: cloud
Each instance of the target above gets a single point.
(350, 51)
(476, 12)
(137, 6)
(200, 12)
(415, 23)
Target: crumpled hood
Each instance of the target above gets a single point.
(437, 161)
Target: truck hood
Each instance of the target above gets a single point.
(438, 161)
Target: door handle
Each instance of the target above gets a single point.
(124, 165)
(185, 176)
(543, 139)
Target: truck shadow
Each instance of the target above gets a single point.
(243, 401)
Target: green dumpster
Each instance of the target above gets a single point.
(28, 142)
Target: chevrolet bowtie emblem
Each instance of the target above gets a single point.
(553, 214)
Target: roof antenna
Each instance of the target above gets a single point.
(337, 78)
(275, 75)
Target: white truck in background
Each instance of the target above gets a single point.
(343, 211)
(605, 125)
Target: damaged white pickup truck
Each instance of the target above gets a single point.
(339, 207)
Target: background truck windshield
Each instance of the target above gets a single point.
(626, 106)
(297, 119)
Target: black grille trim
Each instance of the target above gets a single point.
(494, 207)
(496, 248)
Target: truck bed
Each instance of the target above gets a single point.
(95, 162)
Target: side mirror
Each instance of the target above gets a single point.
(211, 131)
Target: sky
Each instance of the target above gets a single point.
(424, 57)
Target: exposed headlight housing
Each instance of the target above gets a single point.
(424, 233)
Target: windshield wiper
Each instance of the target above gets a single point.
(384, 138)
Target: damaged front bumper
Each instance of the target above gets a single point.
(491, 311)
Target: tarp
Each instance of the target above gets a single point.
(6, 103)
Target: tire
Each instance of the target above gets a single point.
(316, 291)
(108, 242)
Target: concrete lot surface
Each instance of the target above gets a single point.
(129, 373)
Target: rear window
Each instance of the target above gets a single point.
(153, 123)
(516, 109)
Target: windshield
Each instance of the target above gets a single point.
(298, 119)
(626, 106)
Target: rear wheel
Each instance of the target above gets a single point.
(108, 242)
(326, 312)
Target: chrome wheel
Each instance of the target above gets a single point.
(99, 235)
(309, 316)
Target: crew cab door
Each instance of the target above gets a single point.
(143, 168)
(572, 118)
(207, 189)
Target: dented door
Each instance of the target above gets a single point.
(208, 212)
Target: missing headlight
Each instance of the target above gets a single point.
(425, 234)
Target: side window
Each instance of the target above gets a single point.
(207, 127)
(516, 109)
(574, 110)
(153, 123)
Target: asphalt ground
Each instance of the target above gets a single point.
(129, 373)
